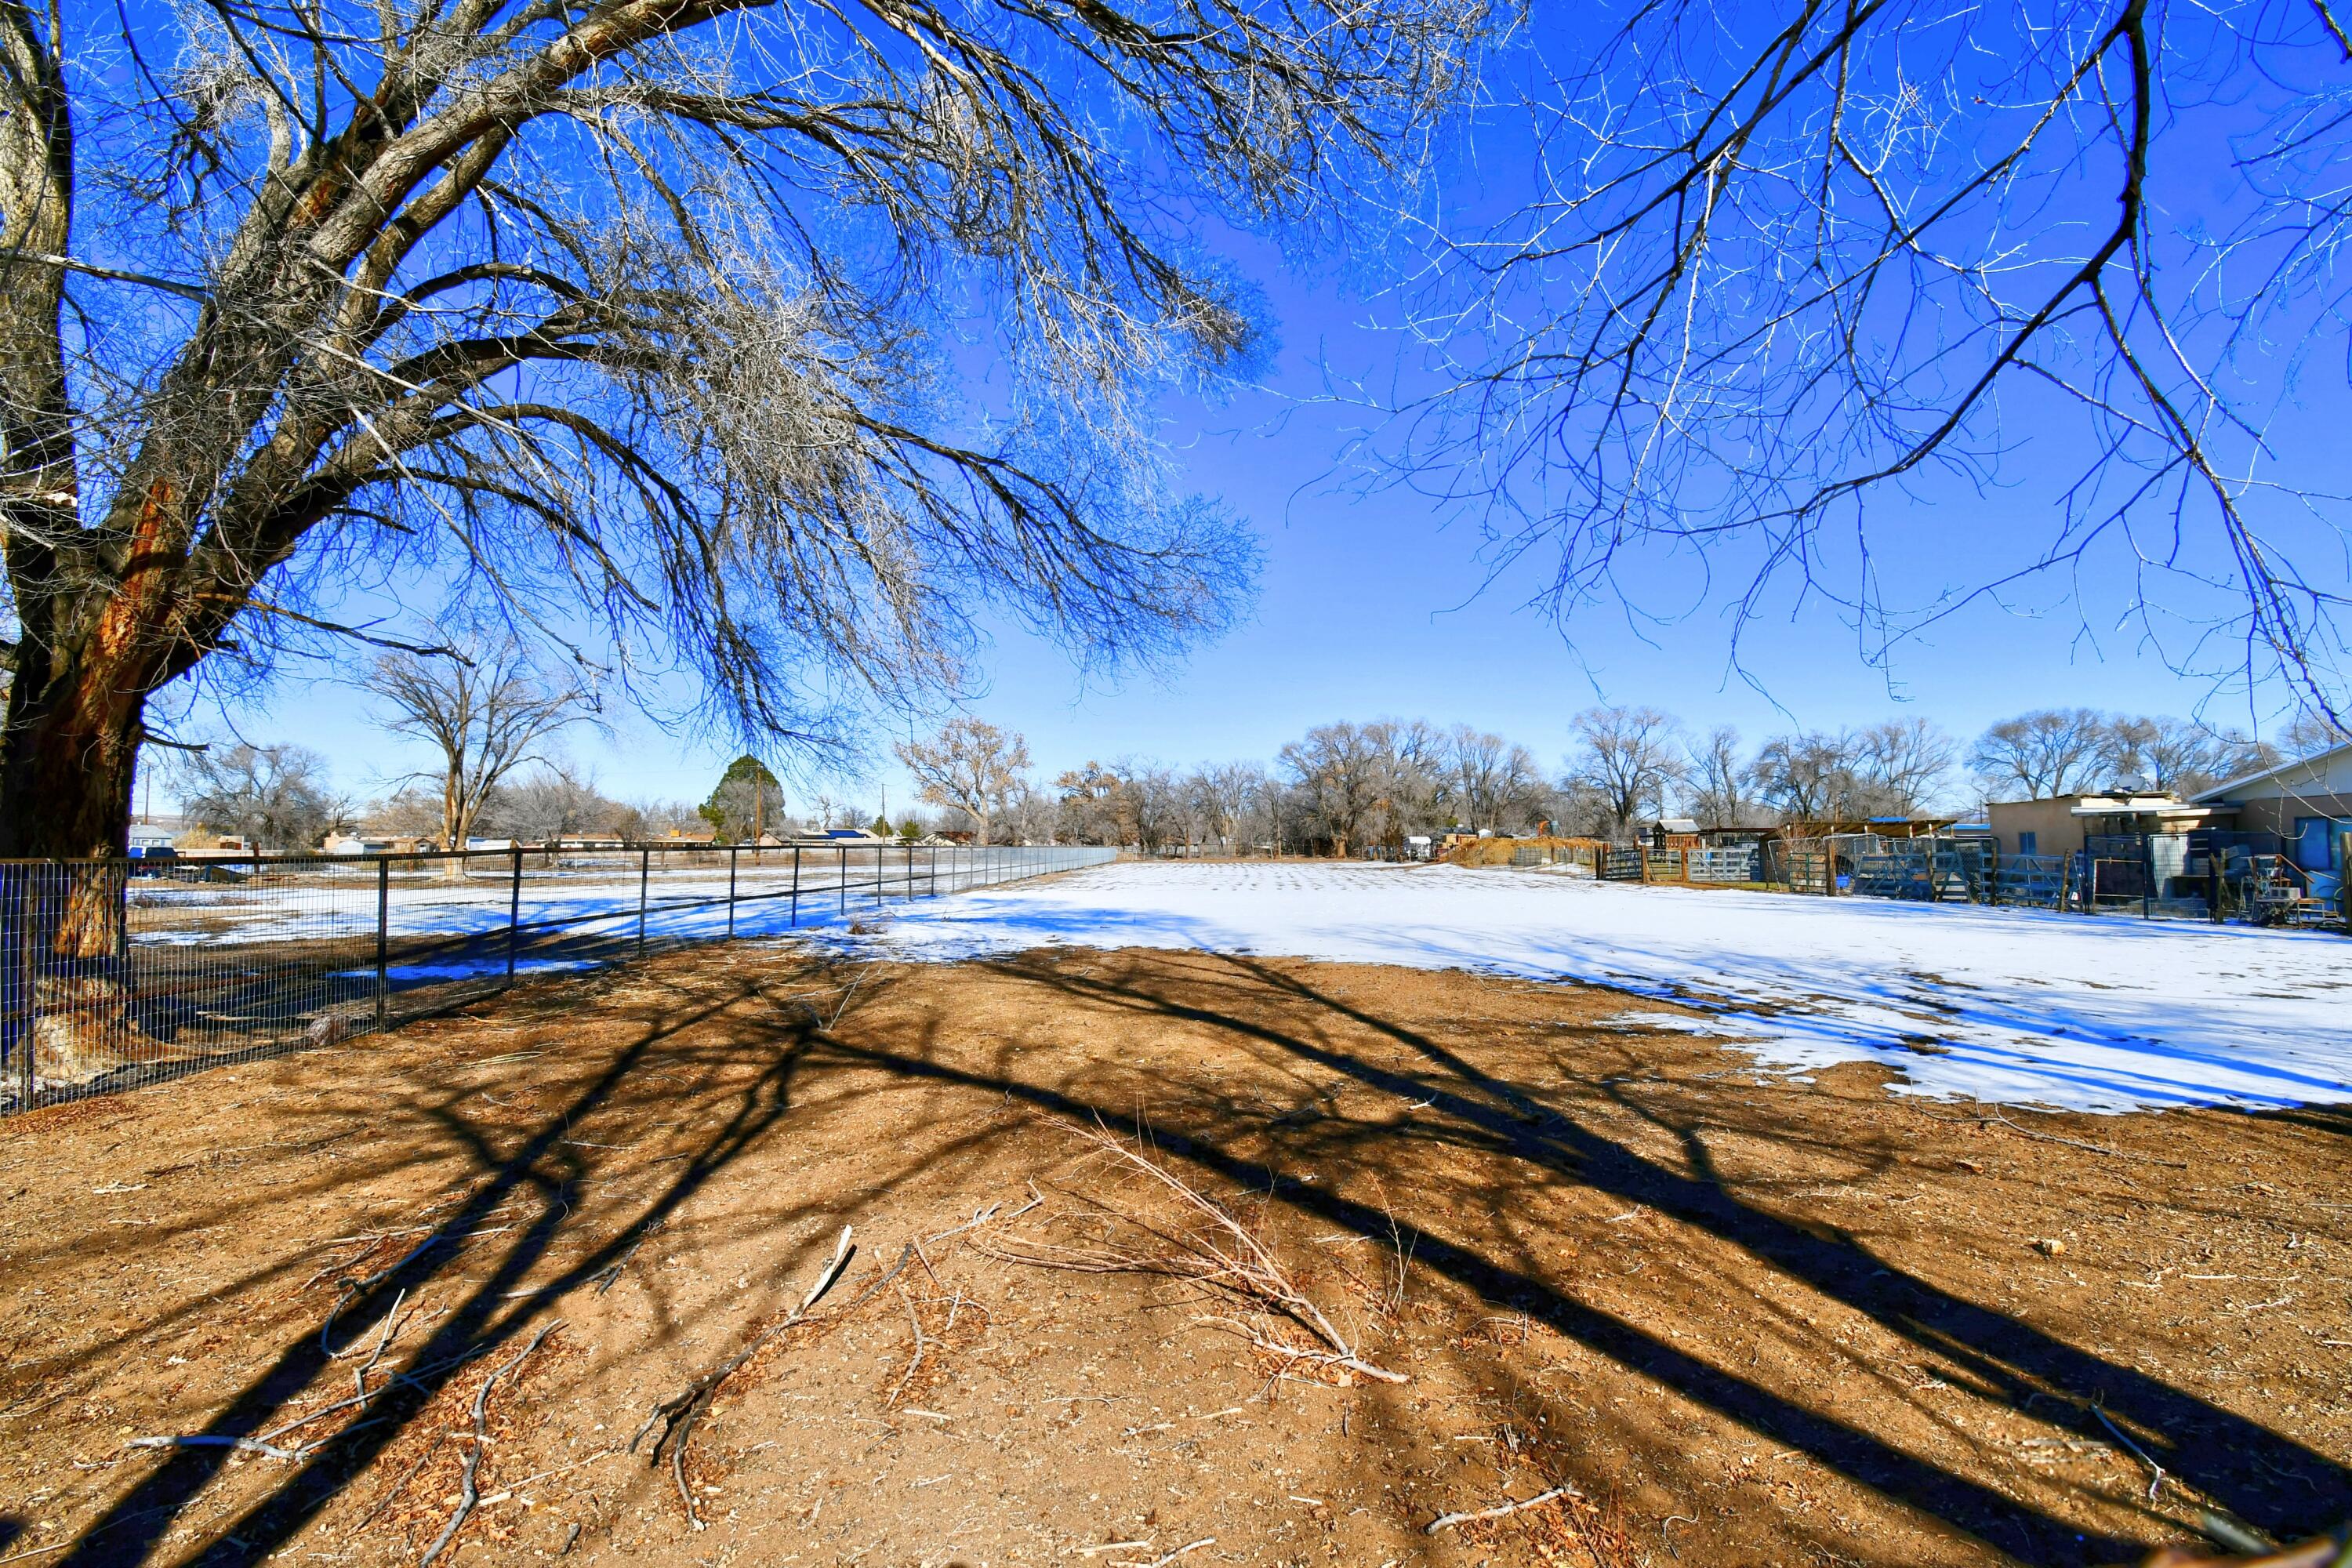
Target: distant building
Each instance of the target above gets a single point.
(2060, 825)
(2308, 803)
(378, 844)
(1673, 833)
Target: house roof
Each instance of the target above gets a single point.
(2317, 760)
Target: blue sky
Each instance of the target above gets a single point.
(1369, 605)
(1370, 602)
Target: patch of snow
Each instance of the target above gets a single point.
(2011, 1006)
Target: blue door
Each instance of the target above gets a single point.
(2314, 843)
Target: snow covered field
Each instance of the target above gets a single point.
(2006, 1005)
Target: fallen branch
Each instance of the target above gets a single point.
(678, 1414)
(249, 1444)
(921, 1344)
(468, 1498)
(1448, 1520)
(1221, 1253)
(1164, 1562)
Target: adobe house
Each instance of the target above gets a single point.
(2060, 824)
(2308, 803)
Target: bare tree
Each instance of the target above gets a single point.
(2183, 756)
(1628, 757)
(971, 767)
(2309, 733)
(1227, 792)
(275, 798)
(547, 804)
(1779, 263)
(1807, 776)
(1342, 772)
(1093, 807)
(487, 717)
(1489, 778)
(638, 321)
(1902, 764)
(2054, 752)
(1718, 779)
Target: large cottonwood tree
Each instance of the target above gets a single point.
(649, 315)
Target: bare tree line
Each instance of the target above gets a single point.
(1340, 789)
(1345, 787)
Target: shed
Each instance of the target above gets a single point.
(2308, 803)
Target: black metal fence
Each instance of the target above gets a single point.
(114, 973)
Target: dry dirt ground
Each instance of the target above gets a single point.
(1743, 1319)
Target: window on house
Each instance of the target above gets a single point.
(2029, 844)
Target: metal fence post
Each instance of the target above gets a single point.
(514, 908)
(845, 878)
(383, 940)
(2147, 876)
(796, 885)
(734, 858)
(644, 870)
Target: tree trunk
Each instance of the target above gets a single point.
(67, 760)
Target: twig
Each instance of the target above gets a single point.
(250, 1445)
(678, 1414)
(921, 1344)
(1188, 1546)
(848, 993)
(1241, 1264)
(2069, 1142)
(2156, 1477)
(469, 1498)
(607, 1275)
(1448, 1520)
(978, 1219)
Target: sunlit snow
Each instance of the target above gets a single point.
(2017, 1007)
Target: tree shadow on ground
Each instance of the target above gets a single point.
(547, 1169)
(2264, 1479)
(779, 1041)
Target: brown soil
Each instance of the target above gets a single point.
(1747, 1318)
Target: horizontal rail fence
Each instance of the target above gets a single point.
(1928, 871)
(114, 973)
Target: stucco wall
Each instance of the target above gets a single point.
(2055, 829)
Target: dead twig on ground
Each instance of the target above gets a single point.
(247, 1445)
(1216, 1250)
(677, 1415)
(848, 995)
(921, 1344)
(468, 1498)
(1996, 1118)
(607, 1275)
(2156, 1471)
(1448, 1520)
(1164, 1562)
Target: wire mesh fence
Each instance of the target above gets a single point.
(116, 972)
